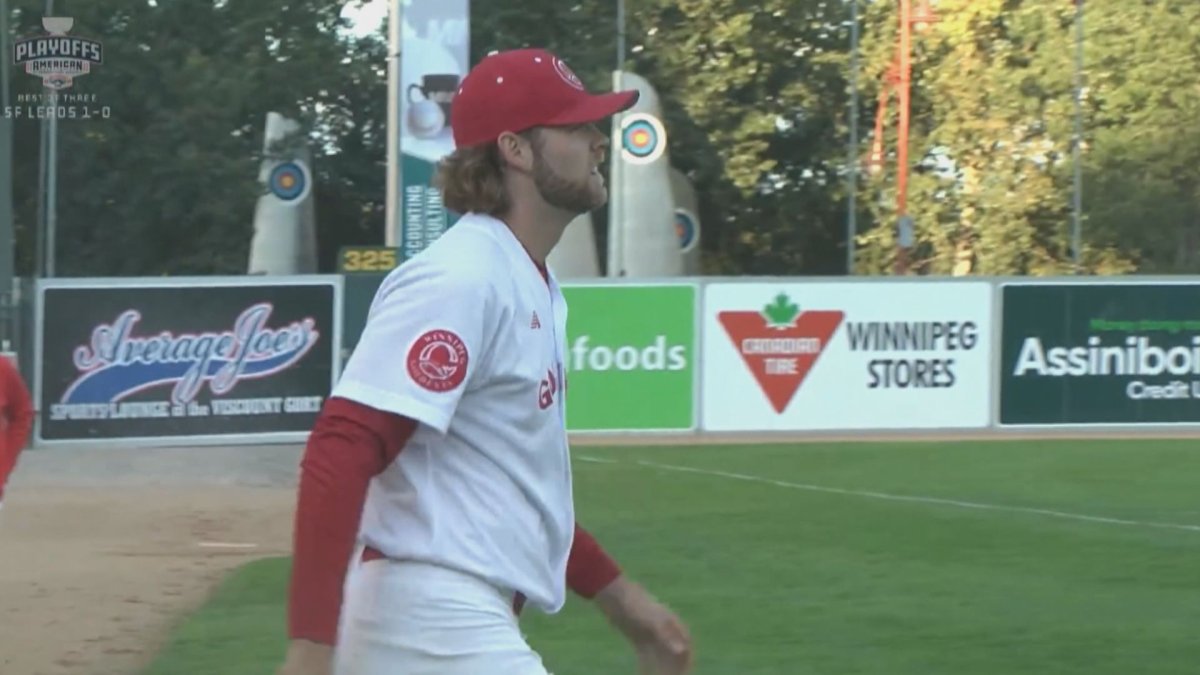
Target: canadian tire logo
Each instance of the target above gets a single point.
(780, 344)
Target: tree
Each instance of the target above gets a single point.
(992, 134)
(755, 98)
(167, 183)
(1142, 175)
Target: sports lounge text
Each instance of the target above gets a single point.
(218, 407)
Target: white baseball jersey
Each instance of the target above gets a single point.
(468, 338)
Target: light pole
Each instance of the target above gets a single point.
(7, 246)
(1077, 207)
(899, 77)
(47, 183)
(615, 262)
(852, 196)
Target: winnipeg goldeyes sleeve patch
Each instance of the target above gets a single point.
(437, 361)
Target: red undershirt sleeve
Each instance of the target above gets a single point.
(20, 419)
(589, 567)
(349, 445)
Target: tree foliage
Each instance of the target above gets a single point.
(167, 183)
(756, 101)
(992, 137)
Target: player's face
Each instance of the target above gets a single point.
(566, 167)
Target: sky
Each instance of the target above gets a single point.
(368, 18)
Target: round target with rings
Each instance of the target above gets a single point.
(290, 181)
(685, 229)
(643, 138)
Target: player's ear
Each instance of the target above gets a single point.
(515, 151)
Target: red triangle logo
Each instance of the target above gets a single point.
(780, 349)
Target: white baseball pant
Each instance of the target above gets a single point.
(409, 618)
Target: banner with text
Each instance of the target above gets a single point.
(183, 362)
(434, 58)
(631, 353)
(1100, 354)
(846, 356)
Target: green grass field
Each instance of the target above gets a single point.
(1044, 558)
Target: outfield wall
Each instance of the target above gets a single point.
(232, 360)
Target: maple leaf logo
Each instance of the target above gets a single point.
(782, 313)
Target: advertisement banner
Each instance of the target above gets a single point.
(185, 360)
(631, 355)
(1100, 354)
(846, 356)
(434, 58)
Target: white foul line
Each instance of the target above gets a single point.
(922, 500)
(595, 460)
(224, 544)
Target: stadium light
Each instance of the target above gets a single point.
(899, 78)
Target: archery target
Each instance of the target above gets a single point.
(685, 229)
(290, 181)
(643, 138)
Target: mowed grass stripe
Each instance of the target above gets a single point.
(783, 581)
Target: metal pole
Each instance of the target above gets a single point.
(616, 220)
(39, 260)
(620, 34)
(47, 176)
(7, 247)
(852, 156)
(395, 187)
(52, 196)
(1077, 216)
(616, 258)
(902, 150)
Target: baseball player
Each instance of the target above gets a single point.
(16, 419)
(444, 444)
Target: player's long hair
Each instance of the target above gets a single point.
(471, 181)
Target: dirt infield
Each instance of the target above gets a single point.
(100, 559)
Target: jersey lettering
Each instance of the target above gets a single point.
(550, 386)
(547, 390)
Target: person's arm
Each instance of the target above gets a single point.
(350, 444)
(20, 420)
(21, 411)
(589, 568)
(660, 639)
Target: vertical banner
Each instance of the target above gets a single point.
(631, 357)
(790, 356)
(179, 361)
(434, 58)
(1100, 354)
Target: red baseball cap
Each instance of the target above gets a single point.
(525, 88)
